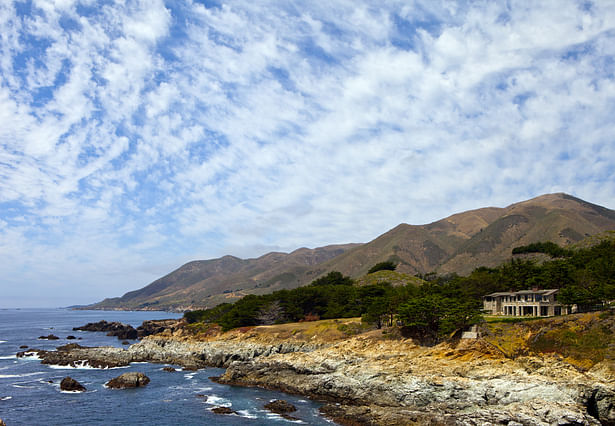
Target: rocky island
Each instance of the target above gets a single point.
(509, 375)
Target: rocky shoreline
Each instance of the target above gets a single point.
(369, 379)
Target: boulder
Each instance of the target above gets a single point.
(2, 423)
(169, 369)
(280, 406)
(23, 347)
(125, 342)
(128, 380)
(222, 410)
(49, 337)
(71, 385)
(70, 337)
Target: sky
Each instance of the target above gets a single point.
(138, 135)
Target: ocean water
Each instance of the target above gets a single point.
(30, 391)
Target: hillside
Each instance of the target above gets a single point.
(458, 243)
(484, 237)
(209, 282)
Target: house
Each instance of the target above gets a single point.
(535, 303)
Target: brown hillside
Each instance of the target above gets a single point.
(458, 243)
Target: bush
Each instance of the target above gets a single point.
(382, 266)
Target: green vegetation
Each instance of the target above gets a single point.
(435, 309)
(382, 266)
(547, 247)
(335, 296)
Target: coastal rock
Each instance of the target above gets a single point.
(2, 423)
(222, 410)
(23, 347)
(71, 385)
(128, 380)
(48, 337)
(602, 405)
(75, 355)
(70, 337)
(169, 369)
(280, 406)
(118, 329)
(147, 328)
(374, 380)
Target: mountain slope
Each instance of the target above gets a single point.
(458, 243)
(208, 282)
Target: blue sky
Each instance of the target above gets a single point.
(138, 135)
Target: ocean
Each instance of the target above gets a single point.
(30, 391)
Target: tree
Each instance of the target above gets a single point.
(271, 314)
(332, 278)
(383, 266)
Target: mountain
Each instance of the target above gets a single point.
(209, 282)
(458, 243)
(483, 237)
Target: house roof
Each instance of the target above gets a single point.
(546, 292)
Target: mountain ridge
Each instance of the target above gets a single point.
(458, 243)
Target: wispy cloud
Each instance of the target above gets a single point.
(137, 135)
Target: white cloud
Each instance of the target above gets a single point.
(141, 134)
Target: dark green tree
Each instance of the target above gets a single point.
(383, 266)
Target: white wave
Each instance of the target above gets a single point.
(189, 376)
(12, 376)
(247, 414)
(8, 357)
(279, 418)
(218, 401)
(2, 341)
(207, 389)
(5, 398)
(82, 365)
(23, 387)
(65, 391)
(31, 355)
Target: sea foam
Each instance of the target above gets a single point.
(12, 376)
(81, 365)
(218, 401)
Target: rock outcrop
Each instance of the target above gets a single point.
(49, 337)
(127, 332)
(147, 328)
(390, 382)
(280, 406)
(222, 410)
(128, 380)
(377, 380)
(118, 329)
(71, 385)
(2, 423)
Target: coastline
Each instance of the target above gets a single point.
(370, 378)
